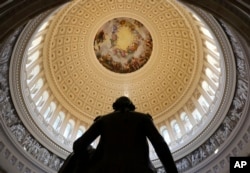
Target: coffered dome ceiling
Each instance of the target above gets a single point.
(163, 35)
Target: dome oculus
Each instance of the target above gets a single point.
(123, 45)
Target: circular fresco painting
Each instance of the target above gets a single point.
(123, 45)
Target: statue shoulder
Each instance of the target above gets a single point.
(98, 118)
(145, 115)
(149, 116)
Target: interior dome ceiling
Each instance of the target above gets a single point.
(83, 86)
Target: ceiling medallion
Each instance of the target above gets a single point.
(123, 45)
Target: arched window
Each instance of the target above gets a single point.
(176, 129)
(208, 89)
(47, 115)
(203, 102)
(206, 32)
(69, 129)
(33, 73)
(212, 76)
(197, 116)
(32, 58)
(80, 131)
(211, 60)
(165, 134)
(49, 112)
(36, 87)
(58, 122)
(211, 47)
(42, 100)
(35, 42)
(187, 124)
(44, 25)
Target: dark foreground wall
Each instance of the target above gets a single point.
(14, 13)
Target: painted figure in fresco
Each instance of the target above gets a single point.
(123, 45)
(123, 145)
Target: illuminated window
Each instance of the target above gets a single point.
(33, 73)
(69, 129)
(57, 124)
(208, 89)
(34, 90)
(187, 124)
(49, 112)
(32, 58)
(35, 42)
(165, 134)
(197, 116)
(80, 131)
(176, 129)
